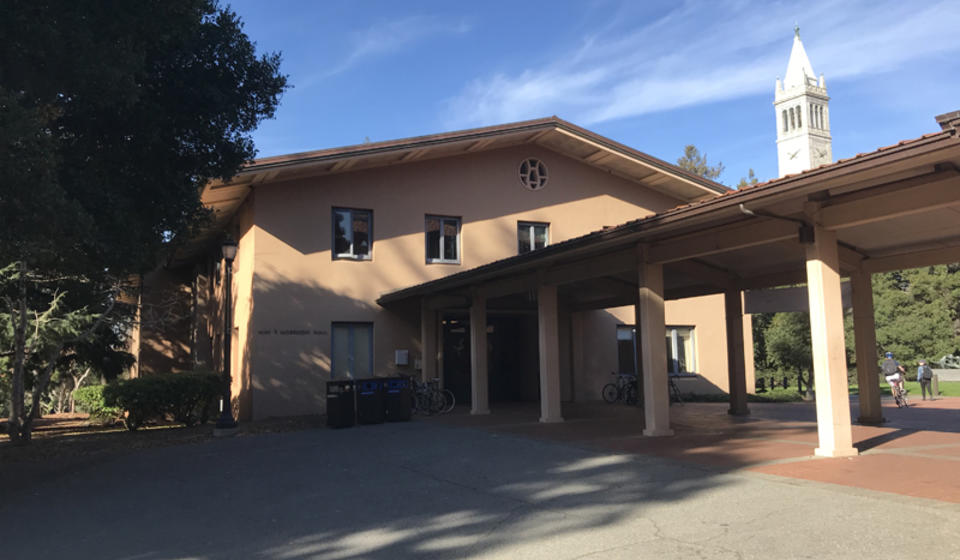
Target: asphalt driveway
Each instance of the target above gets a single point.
(428, 490)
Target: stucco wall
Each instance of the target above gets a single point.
(597, 330)
(299, 290)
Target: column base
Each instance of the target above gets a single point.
(871, 421)
(225, 432)
(657, 432)
(551, 419)
(738, 412)
(479, 411)
(846, 452)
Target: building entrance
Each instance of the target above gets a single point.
(512, 357)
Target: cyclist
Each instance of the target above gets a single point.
(893, 372)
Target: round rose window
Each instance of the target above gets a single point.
(533, 174)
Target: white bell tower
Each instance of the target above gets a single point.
(803, 117)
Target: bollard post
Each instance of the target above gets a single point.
(934, 387)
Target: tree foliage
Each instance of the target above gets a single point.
(695, 162)
(787, 340)
(113, 115)
(750, 179)
(918, 312)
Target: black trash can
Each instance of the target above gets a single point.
(397, 400)
(369, 401)
(341, 409)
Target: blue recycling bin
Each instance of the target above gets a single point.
(397, 399)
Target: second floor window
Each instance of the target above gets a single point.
(443, 239)
(531, 236)
(352, 233)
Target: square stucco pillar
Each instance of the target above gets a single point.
(652, 330)
(736, 363)
(829, 352)
(549, 335)
(428, 342)
(865, 336)
(479, 390)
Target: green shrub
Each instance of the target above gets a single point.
(185, 397)
(90, 399)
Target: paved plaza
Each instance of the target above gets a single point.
(504, 486)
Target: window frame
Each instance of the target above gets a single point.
(352, 256)
(531, 232)
(351, 325)
(673, 357)
(426, 239)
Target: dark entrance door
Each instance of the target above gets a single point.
(512, 357)
(456, 356)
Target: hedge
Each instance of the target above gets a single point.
(90, 399)
(186, 397)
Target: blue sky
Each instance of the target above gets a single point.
(653, 75)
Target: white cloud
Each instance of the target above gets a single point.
(705, 52)
(391, 36)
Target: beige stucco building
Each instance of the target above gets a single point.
(324, 235)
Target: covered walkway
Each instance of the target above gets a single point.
(895, 208)
(920, 445)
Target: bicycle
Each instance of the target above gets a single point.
(899, 395)
(429, 398)
(625, 389)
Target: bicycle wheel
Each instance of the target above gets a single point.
(630, 395)
(449, 401)
(436, 401)
(610, 392)
(424, 403)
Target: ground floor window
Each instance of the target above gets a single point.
(626, 349)
(352, 354)
(681, 355)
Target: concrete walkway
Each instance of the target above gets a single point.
(471, 487)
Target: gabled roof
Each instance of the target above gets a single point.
(552, 133)
(931, 156)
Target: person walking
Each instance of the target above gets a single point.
(925, 376)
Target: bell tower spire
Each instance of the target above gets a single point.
(802, 112)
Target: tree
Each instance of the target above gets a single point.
(918, 312)
(787, 339)
(750, 179)
(112, 118)
(696, 163)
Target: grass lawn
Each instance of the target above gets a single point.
(947, 388)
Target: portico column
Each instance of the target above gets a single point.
(652, 330)
(549, 334)
(865, 336)
(826, 337)
(736, 365)
(428, 342)
(479, 391)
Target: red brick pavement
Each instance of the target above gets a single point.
(915, 453)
